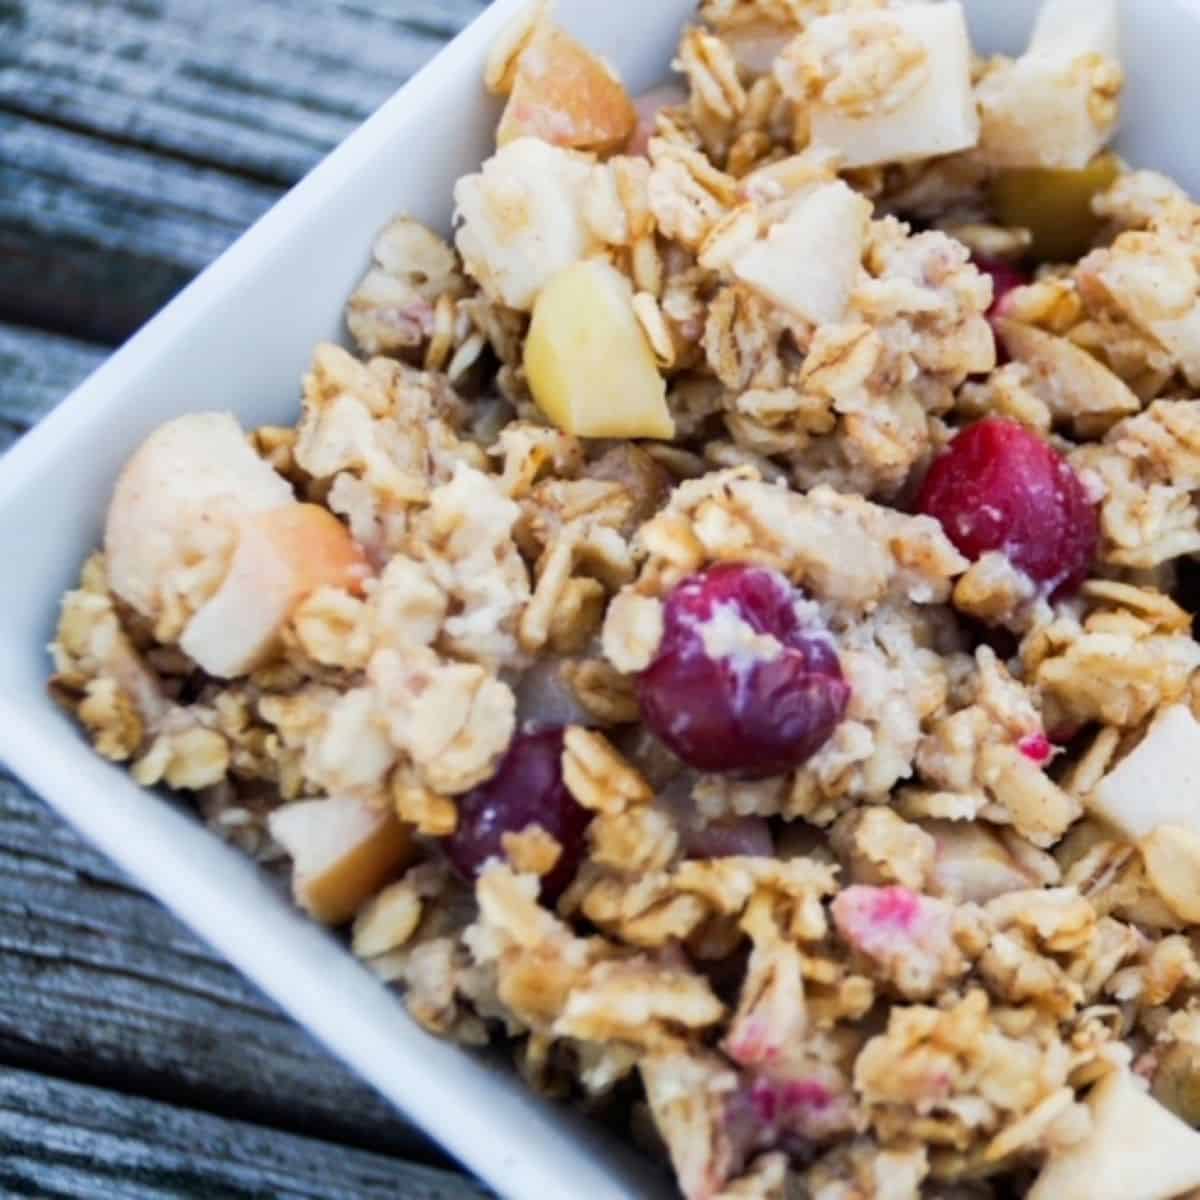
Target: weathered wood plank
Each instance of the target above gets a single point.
(38, 369)
(100, 983)
(96, 237)
(263, 88)
(60, 1140)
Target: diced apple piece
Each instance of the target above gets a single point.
(1056, 105)
(1055, 206)
(281, 557)
(972, 864)
(589, 365)
(938, 118)
(1136, 1150)
(342, 850)
(188, 480)
(1075, 27)
(563, 94)
(808, 263)
(1158, 783)
(1172, 858)
(1067, 379)
(757, 44)
(522, 219)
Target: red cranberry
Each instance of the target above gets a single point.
(527, 789)
(1005, 278)
(753, 711)
(1000, 487)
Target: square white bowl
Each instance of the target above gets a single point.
(240, 337)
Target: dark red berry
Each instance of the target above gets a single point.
(527, 789)
(1000, 487)
(1005, 278)
(727, 706)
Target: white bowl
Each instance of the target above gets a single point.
(240, 337)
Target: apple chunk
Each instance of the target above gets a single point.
(808, 263)
(1056, 105)
(281, 557)
(1136, 1150)
(563, 94)
(1158, 783)
(589, 365)
(939, 117)
(343, 851)
(1055, 205)
(186, 487)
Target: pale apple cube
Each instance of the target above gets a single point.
(190, 481)
(343, 850)
(938, 118)
(565, 95)
(521, 219)
(589, 365)
(809, 262)
(1158, 783)
(1136, 1150)
(1056, 105)
(280, 557)
(1075, 27)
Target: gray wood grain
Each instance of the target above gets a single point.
(60, 1140)
(174, 124)
(39, 369)
(98, 982)
(263, 88)
(96, 237)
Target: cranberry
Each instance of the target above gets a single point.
(725, 698)
(1000, 487)
(1005, 278)
(527, 789)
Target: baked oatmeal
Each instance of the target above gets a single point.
(725, 629)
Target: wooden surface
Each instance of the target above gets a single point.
(137, 139)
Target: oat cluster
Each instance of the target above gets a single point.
(953, 954)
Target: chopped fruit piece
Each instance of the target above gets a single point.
(1158, 783)
(189, 482)
(809, 262)
(1068, 380)
(1176, 1081)
(280, 558)
(972, 863)
(1005, 277)
(1172, 857)
(1055, 106)
(1000, 487)
(522, 219)
(1077, 27)
(1055, 205)
(343, 851)
(745, 680)
(589, 365)
(1135, 1150)
(563, 94)
(527, 789)
(939, 117)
